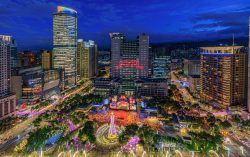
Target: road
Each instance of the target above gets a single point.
(9, 137)
(185, 94)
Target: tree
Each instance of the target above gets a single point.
(37, 138)
(226, 124)
(123, 139)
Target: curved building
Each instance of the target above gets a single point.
(64, 43)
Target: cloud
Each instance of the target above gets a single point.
(224, 23)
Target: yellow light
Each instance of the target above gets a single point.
(183, 131)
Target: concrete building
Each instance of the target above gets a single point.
(46, 59)
(7, 99)
(80, 59)
(26, 59)
(191, 67)
(160, 63)
(248, 89)
(152, 87)
(13, 56)
(37, 84)
(104, 86)
(16, 86)
(161, 67)
(64, 43)
(129, 60)
(194, 84)
(86, 59)
(224, 75)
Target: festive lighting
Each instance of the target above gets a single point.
(123, 103)
(72, 126)
(52, 140)
(129, 63)
(112, 130)
(65, 10)
(107, 134)
(131, 144)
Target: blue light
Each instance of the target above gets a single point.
(106, 101)
(54, 138)
(216, 54)
(142, 104)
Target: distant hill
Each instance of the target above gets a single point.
(242, 41)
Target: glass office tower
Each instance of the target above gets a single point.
(65, 43)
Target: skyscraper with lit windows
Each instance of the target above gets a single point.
(248, 89)
(224, 75)
(7, 99)
(86, 59)
(65, 43)
(129, 60)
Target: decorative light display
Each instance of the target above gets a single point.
(30, 113)
(129, 63)
(107, 134)
(72, 126)
(112, 130)
(65, 9)
(131, 144)
(123, 103)
(52, 140)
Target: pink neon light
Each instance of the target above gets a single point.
(129, 63)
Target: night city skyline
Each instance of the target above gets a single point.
(30, 22)
(134, 78)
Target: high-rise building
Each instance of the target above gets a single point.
(191, 67)
(161, 67)
(13, 56)
(80, 60)
(46, 60)
(224, 75)
(64, 43)
(86, 59)
(160, 62)
(248, 89)
(7, 100)
(129, 60)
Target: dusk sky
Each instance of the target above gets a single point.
(30, 21)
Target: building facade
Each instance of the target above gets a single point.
(7, 99)
(86, 59)
(152, 87)
(129, 60)
(194, 84)
(46, 60)
(103, 87)
(248, 89)
(224, 75)
(161, 67)
(37, 83)
(26, 59)
(13, 56)
(191, 67)
(65, 42)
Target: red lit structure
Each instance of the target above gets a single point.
(127, 63)
(122, 103)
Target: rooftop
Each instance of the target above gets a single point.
(62, 9)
